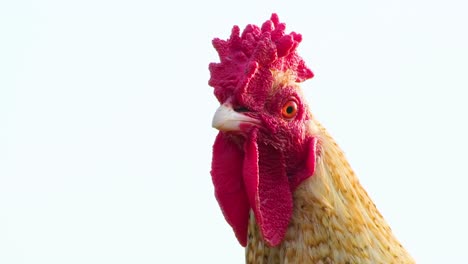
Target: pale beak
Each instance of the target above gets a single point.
(226, 119)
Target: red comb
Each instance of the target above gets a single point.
(252, 55)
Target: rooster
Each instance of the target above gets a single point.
(282, 182)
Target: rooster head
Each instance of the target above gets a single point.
(264, 149)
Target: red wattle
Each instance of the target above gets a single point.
(226, 172)
(250, 170)
(268, 189)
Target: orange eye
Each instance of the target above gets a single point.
(289, 109)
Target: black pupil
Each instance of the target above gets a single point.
(290, 109)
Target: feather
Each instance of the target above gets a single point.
(334, 220)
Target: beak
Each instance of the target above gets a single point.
(226, 119)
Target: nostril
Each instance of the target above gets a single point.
(241, 109)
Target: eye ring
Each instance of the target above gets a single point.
(289, 109)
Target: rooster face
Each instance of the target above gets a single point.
(263, 150)
(279, 117)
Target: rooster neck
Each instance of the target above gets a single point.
(334, 220)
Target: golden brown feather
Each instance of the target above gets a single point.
(334, 219)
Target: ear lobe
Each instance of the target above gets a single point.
(310, 163)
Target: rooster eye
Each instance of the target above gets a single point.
(289, 109)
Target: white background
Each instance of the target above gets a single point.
(105, 122)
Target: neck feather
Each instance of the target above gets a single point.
(334, 219)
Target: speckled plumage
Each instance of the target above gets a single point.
(334, 220)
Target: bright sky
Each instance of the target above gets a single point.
(105, 122)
